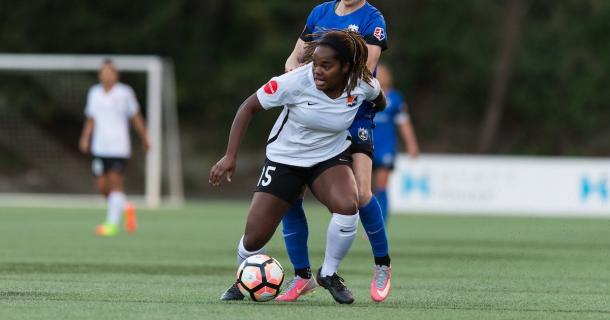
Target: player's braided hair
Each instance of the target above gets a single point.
(351, 49)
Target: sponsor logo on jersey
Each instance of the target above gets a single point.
(379, 33)
(352, 100)
(270, 87)
(353, 27)
(363, 134)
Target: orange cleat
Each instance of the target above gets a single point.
(131, 221)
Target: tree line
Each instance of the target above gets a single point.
(490, 76)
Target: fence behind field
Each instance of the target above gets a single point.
(501, 185)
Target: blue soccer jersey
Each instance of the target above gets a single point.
(368, 21)
(385, 128)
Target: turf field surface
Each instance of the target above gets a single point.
(52, 266)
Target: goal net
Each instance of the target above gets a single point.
(42, 100)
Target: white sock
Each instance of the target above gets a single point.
(339, 238)
(243, 254)
(116, 206)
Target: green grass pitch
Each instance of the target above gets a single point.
(177, 265)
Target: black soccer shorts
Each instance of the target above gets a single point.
(101, 165)
(361, 135)
(286, 182)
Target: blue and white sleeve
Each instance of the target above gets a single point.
(374, 32)
(306, 34)
(402, 116)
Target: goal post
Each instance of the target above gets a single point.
(161, 113)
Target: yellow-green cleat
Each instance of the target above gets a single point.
(107, 230)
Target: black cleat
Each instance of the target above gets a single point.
(335, 285)
(232, 293)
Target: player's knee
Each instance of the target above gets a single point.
(345, 205)
(364, 196)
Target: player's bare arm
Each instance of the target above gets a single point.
(408, 136)
(85, 137)
(374, 54)
(294, 60)
(228, 162)
(138, 123)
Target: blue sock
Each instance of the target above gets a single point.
(372, 221)
(382, 197)
(295, 233)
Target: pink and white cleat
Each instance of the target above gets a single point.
(380, 286)
(296, 288)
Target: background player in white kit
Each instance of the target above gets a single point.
(111, 105)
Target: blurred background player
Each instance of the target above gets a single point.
(308, 145)
(110, 107)
(394, 116)
(358, 16)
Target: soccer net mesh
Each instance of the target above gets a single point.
(42, 100)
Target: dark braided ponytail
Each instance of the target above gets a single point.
(351, 49)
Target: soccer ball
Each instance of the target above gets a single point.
(260, 277)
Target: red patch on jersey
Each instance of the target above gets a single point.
(351, 101)
(379, 33)
(271, 87)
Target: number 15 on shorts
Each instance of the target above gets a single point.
(265, 178)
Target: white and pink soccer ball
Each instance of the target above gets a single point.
(260, 277)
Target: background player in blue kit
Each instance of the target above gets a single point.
(386, 122)
(362, 17)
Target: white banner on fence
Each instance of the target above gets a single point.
(501, 185)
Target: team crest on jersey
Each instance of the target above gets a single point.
(363, 134)
(270, 87)
(379, 33)
(353, 27)
(352, 100)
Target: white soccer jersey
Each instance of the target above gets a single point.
(312, 127)
(111, 112)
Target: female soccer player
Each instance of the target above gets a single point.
(307, 146)
(394, 116)
(361, 17)
(110, 107)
